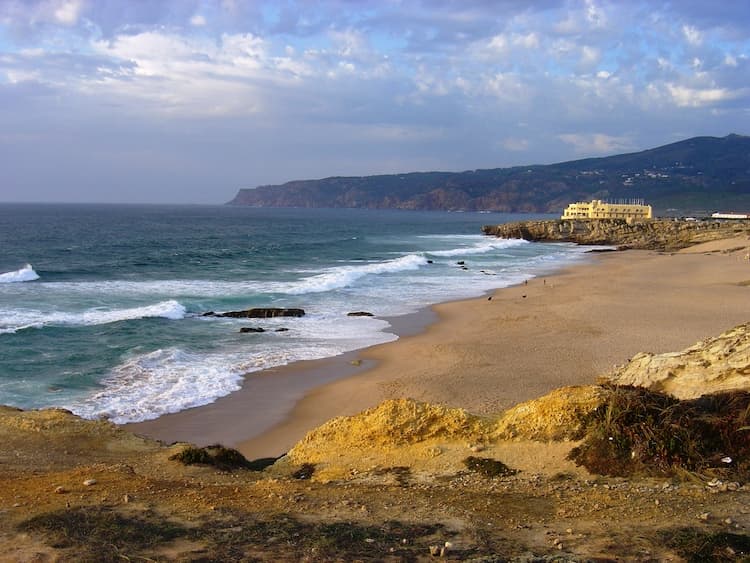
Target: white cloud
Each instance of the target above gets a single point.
(68, 12)
(692, 35)
(697, 97)
(189, 76)
(198, 20)
(508, 87)
(590, 56)
(527, 40)
(595, 15)
(596, 143)
(515, 144)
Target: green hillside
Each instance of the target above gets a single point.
(701, 174)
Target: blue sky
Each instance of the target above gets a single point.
(186, 101)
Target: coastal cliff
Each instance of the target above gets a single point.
(697, 174)
(664, 235)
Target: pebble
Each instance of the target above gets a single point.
(89, 482)
(60, 490)
(704, 516)
(728, 521)
(126, 498)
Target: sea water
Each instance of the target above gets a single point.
(101, 307)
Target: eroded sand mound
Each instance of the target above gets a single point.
(710, 366)
(396, 422)
(558, 415)
(433, 439)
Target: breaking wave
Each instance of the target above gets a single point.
(15, 320)
(26, 273)
(343, 276)
(480, 248)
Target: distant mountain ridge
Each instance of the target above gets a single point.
(700, 173)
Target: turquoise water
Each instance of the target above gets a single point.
(101, 306)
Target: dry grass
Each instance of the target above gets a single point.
(641, 431)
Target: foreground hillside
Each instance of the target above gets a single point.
(406, 481)
(702, 173)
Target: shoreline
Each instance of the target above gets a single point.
(487, 354)
(267, 397)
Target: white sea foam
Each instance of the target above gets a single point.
(482, 247)
(171, 380)
(19, 319)
(161, 382)
(26, 273)
(343, 276)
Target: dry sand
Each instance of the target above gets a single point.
(486, 355)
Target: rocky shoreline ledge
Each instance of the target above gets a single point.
(662, 234)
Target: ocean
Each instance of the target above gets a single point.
(101, 306)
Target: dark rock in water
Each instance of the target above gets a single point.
(259, 313)
(252, 329)
(282, 329)
(460, 262)
(429, 261)
(360, 314)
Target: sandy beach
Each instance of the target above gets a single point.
(486, 355)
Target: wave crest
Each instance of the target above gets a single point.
(343, 276)
(13, 321)
(25, 274)
(479, 248)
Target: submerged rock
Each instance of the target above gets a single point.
(360, 314)
(259, 313)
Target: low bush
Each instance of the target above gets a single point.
(642, 431)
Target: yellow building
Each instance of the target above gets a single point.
(632, 210)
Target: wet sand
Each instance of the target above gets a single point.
(485, 355)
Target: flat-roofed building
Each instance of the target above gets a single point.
(631, 210)
(730, 215)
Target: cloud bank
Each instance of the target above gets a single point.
(186, 100)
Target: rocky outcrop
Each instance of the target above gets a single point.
(665, 235)
(710, 366)
(259, 313)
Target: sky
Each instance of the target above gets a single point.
(186, 101)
